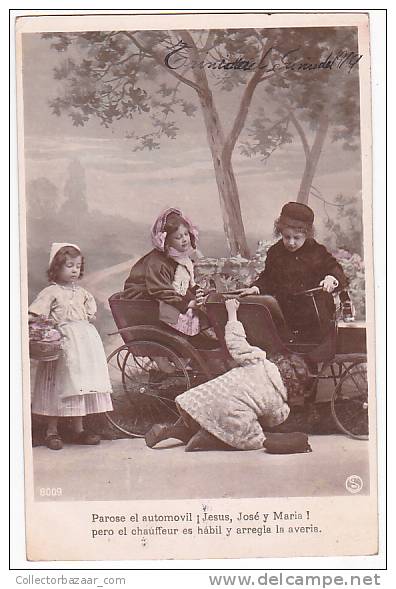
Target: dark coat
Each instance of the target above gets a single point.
(152, 277)
(287, 273)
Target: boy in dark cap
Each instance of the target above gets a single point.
(297, 263)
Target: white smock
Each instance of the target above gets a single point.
(82, 383)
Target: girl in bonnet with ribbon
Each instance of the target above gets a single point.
(166, 273)
(82, 385)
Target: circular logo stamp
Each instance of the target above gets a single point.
(354, 483)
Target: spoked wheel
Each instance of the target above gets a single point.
(146, 377)
(349, 404)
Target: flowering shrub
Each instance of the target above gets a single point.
(353, 266)
(227, 274)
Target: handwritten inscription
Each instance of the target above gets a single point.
(274, 60)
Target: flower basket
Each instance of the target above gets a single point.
(45, 339)
(45, 351)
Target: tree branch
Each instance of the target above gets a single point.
(243, 109)
(102, 73)
(161, 63)
(267, 77)
(207, 47)
(110, 35)
(301, 132)
(122, 93)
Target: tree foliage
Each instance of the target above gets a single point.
(158, 75)
(113, 72)
(334, 90)
(314, 103)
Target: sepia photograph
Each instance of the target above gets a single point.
(197, 285)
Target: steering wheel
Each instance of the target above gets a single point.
(310, 292)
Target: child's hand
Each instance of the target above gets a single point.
(250, 291)
(329, 283)
(199, 297)
(92, 318)
(232, 306)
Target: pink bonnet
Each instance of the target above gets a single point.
(158, 235)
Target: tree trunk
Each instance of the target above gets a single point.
(226, 183)
(312, 159)
(225, 179)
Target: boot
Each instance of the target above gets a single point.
(203, 440)
(160, 432)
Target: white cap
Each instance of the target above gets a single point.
(55, 247)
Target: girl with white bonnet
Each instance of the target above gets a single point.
(82, 385)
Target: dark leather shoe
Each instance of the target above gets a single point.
(53, 442)
(156, 434)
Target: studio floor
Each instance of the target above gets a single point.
(127, 470)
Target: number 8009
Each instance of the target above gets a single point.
(50, 491)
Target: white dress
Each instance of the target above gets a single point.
(229, 406)
(82, 383)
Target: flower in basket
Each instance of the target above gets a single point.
(43, 329)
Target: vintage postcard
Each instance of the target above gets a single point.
(197, 286)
